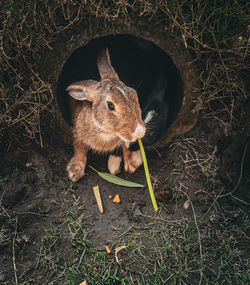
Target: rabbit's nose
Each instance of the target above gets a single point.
(139, 131)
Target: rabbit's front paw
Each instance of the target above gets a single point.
(132, 160)
(114, 164)
(75, 169)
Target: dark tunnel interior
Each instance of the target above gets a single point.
(140, 64)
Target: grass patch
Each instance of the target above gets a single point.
(84, 260)
(198, 250)
(163, 253)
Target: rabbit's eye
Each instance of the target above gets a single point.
(111, 106)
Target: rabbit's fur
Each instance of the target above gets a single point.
(107, 117)
(91, 79)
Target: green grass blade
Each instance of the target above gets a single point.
(116, 180)
(150, 187)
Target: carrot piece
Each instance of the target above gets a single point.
(107, 249)
(84, 283)
(117, 199)
(98, 198)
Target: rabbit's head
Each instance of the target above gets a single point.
(115, 107)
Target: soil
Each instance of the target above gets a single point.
(34, 189)
(198, 167)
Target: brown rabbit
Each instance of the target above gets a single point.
(108, 117)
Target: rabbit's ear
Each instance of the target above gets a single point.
(83, 90)
(105, 68)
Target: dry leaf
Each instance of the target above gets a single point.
(186, 205)
(119, 261)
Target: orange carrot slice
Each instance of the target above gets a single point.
(117, 199)
(107, 249)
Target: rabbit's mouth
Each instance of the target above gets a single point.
(126, 141)
(138, 133)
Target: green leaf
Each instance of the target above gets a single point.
(116, 180)
(150, 187)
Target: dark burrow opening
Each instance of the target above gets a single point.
(140, 64)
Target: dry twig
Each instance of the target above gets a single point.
(199, 236)
(13, 252)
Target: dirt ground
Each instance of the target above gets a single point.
(191, 172)
(51, 231)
